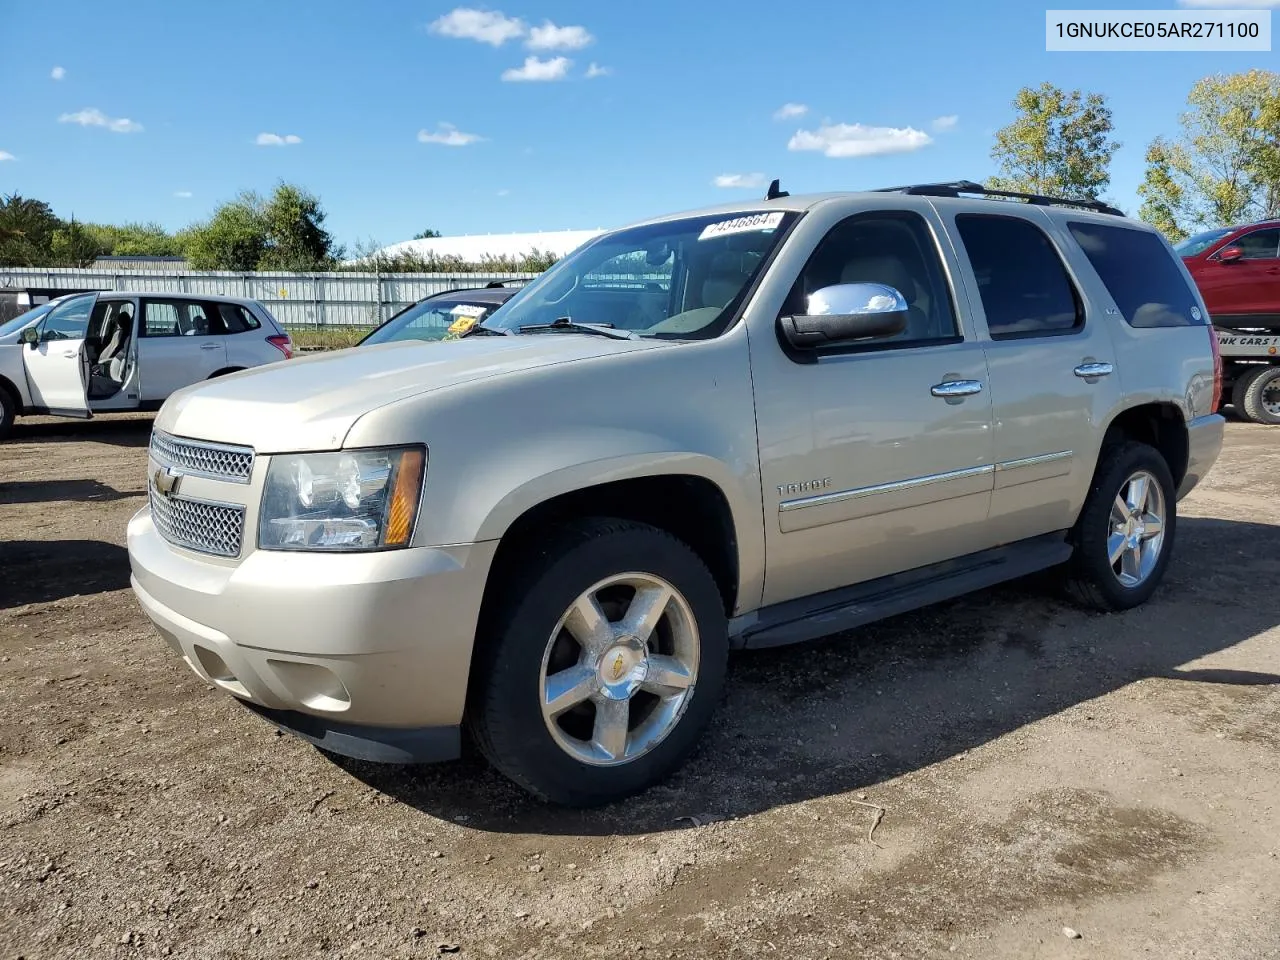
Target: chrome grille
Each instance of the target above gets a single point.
(216, 528)
(200, 458)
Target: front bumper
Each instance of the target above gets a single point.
(1204, 443)
(364, 654)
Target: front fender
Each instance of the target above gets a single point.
(498, 447)
(14, 372)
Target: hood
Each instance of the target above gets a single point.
(311, 403)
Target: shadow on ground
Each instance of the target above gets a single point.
(122, 431)
(42, 571)
(53, 491)
(851, 711)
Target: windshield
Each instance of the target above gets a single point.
(431, 320)
(679, 279)
(22, 319)
(1200, 242)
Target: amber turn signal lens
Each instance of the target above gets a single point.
(404, 499)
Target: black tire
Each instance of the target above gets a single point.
(1091, 579)
(1254, 391)
(504, 712)
(8, 411)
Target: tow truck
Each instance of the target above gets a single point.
(1251, 372)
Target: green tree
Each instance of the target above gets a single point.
(284, 232)
(26, 231)
(1059, 145)
(1224, 168)
(234, 238)
(134, 239)
(74, 245)
(427, 234)
(295, 234)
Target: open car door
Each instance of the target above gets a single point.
(56, 365)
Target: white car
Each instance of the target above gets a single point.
(114, 352)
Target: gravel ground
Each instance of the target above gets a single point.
(1039, 768)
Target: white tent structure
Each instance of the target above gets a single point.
(474, 248)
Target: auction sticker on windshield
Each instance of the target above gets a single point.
(747, 224)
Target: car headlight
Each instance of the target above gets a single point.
(351, 500)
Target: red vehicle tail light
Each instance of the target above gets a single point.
(282, 343)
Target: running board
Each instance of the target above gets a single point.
(834, 611)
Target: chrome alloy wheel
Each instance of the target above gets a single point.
(619, 669)
(1137, 529)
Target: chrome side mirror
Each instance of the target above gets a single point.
(847, 312)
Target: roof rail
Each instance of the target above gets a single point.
(958, 187)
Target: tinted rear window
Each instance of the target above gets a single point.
(1024, 287)
(1141, 275)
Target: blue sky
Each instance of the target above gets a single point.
(162, 104)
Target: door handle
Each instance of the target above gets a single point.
(951, 389)
(208, 346)
(1092, 371)
(71, 354)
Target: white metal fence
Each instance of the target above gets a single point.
(296, 299)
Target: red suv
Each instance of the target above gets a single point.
(1238, 272)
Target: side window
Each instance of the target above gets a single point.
(895, 248)
(1024, 287)
(1259, 245)
(68, 321)
(1141, 275)
(161, 318)
(235, 319)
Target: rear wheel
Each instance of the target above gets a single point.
(1257, 395)
(601, 663)
(1125, 533)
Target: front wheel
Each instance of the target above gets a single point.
(8, 412)
(1124, 536)
(600, 662)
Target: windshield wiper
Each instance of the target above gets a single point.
(572, 326)
(481, 330)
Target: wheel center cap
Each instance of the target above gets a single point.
(622, 668)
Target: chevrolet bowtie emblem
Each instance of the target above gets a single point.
(167, 481)
(617, 668)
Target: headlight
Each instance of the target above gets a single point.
(352, 500)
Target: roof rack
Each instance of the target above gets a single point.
(958, 187)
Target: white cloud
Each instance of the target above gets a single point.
(943, 124)
(483, 26)
(550, 37)
(276, 140)
(557, 68)
(58, 73)
(789, 110)
(859, 140)
(448, 135)
(183, 194)
(595, 70)
(504, 192)
(751, 181)
(91, 117)
(1231, 4)
(6, 155)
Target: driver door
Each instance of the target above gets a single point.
(56, 366)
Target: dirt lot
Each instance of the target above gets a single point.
(1040, 768)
